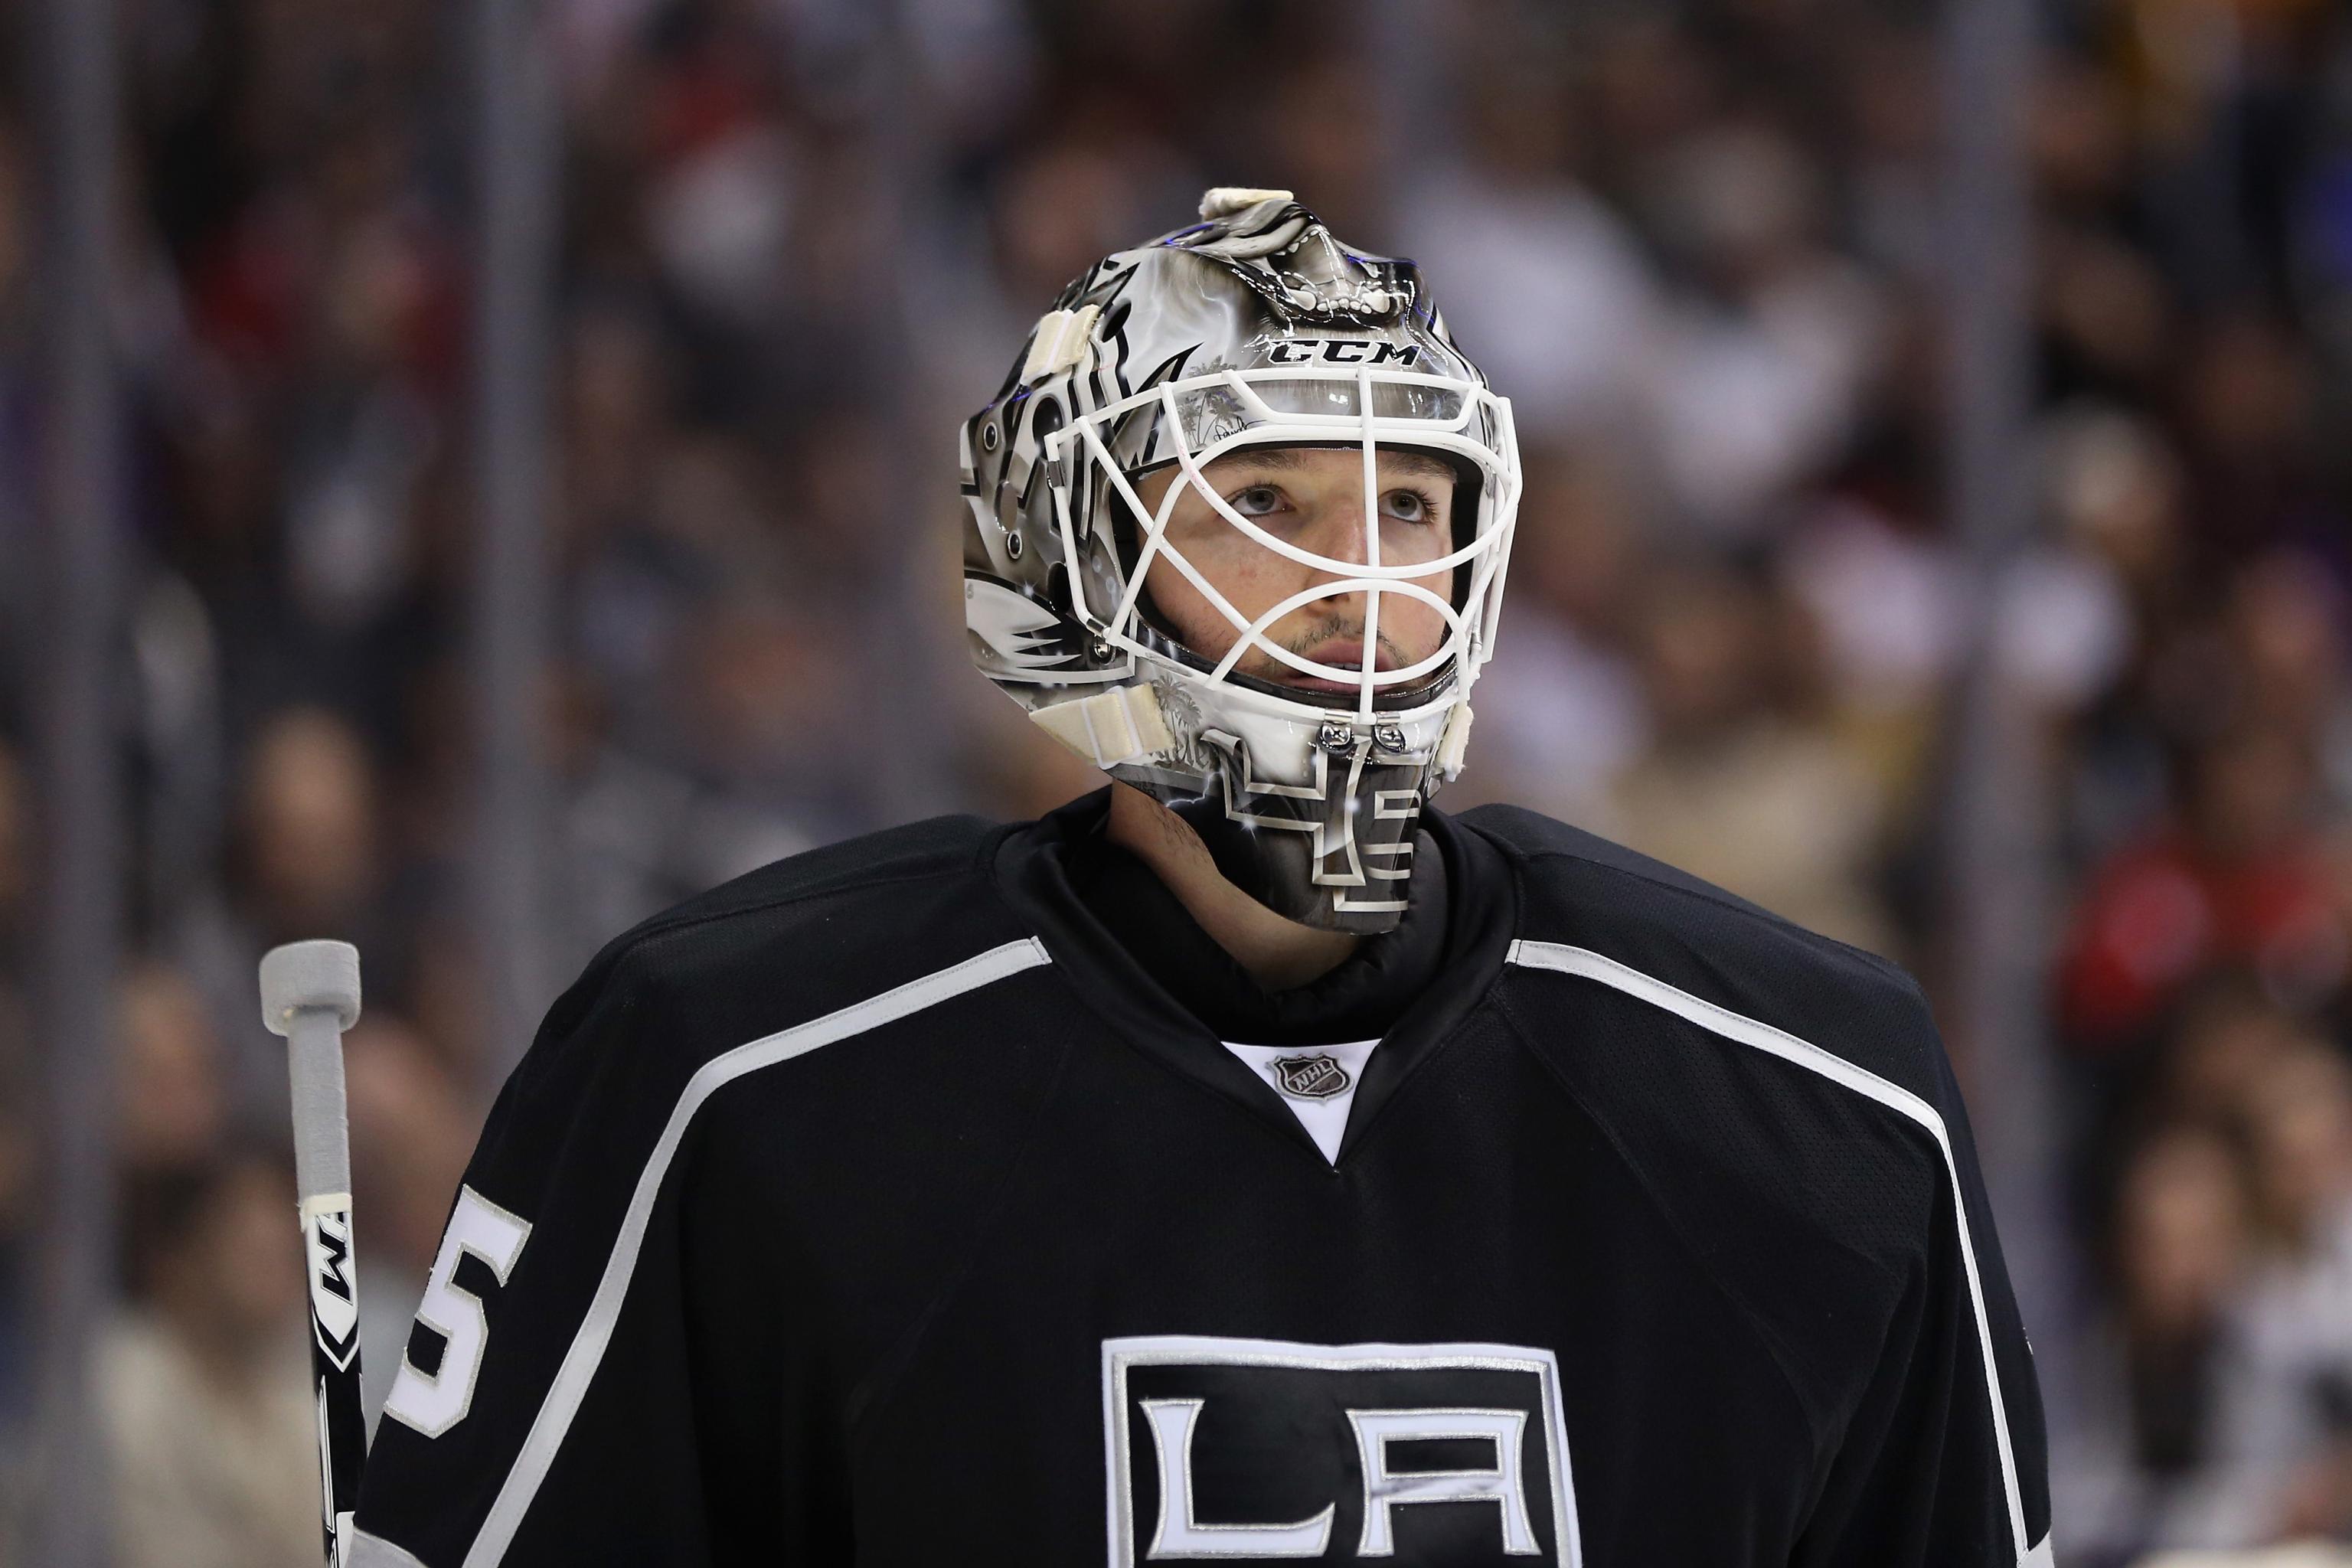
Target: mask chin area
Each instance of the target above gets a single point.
(1360, 883)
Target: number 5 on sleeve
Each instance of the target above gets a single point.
(433, 1402)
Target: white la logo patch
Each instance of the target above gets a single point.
(1263, 1450)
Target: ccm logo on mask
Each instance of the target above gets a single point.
(1263, 1450)
(1343, 351)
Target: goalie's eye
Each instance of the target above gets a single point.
(1257, 501)
(1408, 506)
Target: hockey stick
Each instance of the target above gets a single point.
(310, 994)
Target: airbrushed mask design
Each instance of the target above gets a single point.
(1255, 327)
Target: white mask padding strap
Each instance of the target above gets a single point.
(1455, 744)
(1225, 201)
(1061, 342)
(1121, 725)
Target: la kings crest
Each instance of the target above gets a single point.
(1432, 1455)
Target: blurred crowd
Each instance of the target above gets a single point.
(1698, 244)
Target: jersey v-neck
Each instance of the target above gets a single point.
(1316, 1082)
(1150, 973)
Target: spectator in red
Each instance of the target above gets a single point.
(2237, 877)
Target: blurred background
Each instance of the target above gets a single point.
(473, 473)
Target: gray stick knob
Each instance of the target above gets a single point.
(310, 994)
(303, 975)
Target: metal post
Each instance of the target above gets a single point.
(910, 767)
(514, 129)
(81, 914)
(1999, 842)
(1412, 120)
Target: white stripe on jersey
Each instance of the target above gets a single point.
(1589, 965)
(579, 1368)
(375, 1551)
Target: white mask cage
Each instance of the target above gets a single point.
(1200, 418)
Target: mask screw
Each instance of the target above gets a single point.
(1336, 736)
(1099, 651)
(988, 438)
(1013, 543)
(1389, 737)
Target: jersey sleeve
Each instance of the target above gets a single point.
(1944, 1462)
(595, 1374)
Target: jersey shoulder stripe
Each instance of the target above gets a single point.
(1559, 861)
(579, 1363)
(1578, 888)
(1584, 963)
(799, 936)
(940, 846)
(936, 846)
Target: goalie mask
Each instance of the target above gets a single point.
(1252, 329)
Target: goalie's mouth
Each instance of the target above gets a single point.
(1337, 653)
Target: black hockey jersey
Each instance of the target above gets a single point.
(879, 1209)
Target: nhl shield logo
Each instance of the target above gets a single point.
(1317, 1076)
